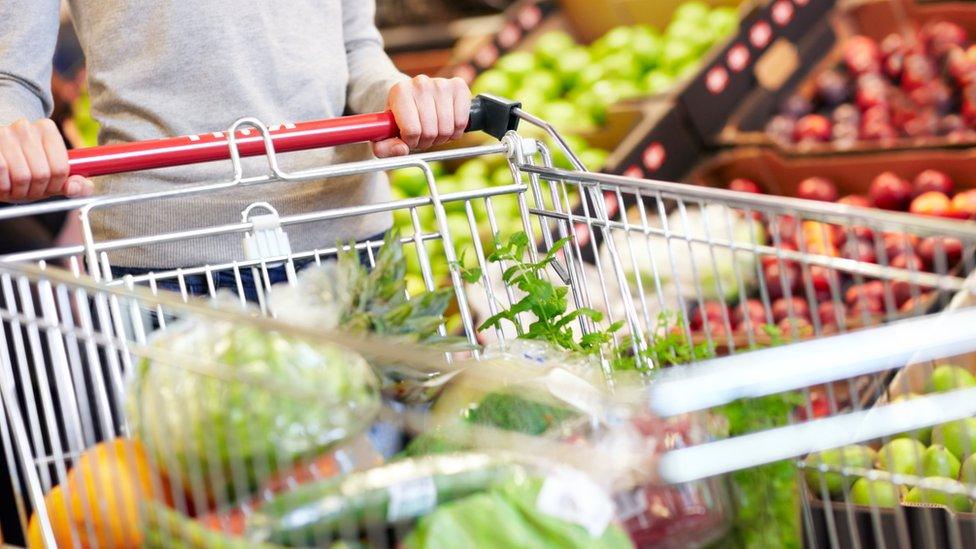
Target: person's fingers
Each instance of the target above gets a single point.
(390, 147)
(405, 112)
(423, 96)
(18, 170)
(57, 156)
(78, 187)
(462, 106)
(444, 103)
(33, 151)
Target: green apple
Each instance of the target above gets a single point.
(658, 82)
(923, 435)
(517, 64)
(409, 181)
(648, 47)
(694, 11)
(460, 230)
(902, 456)
(941, 494)
(494, 82)
(593, 104)
(688, 70)
(947, 377)
(967, 473)
(611, 91)
(939, 462)
(854, 455)
(617, 39)
(402, 221)
(549, 85)
(958, 436)
(532, 100)
(676, 54)
(571, 63)
(875, 493)
(415, 283)
(552, 45)
(623, 65)
(566, 117)
(723, 21)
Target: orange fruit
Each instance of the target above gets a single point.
(104, 490)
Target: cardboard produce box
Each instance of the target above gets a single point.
(593, 18)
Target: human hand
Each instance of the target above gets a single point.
(428, 111)
(34, 163)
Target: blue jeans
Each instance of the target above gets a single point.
(226, 279)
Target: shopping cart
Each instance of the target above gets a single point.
(671, 267)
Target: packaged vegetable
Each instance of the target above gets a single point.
(223, 406)
(389, 494)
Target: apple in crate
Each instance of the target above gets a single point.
(931, 203)
(812, 128)
(890, 192)
(862, 55)
(817, 188)
(744, 186)
(933, 180)
(964, 203)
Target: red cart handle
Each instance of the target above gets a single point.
(492, 115)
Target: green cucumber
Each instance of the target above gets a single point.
(394, 492)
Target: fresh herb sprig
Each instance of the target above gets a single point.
(546, 302)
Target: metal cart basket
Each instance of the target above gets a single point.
(723, 270)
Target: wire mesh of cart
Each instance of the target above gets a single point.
(669, 273)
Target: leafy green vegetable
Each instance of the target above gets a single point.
(512, 412)
(505, 516)
(167, 529)
(666, 346)
(222, 406)
(544, 300)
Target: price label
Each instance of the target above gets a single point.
(572, 496)
(411, 499)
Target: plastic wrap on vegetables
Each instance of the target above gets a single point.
(223, 406)
(471, 499)
(344, 294)
(686, 261)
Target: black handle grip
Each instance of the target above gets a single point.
(493, 115)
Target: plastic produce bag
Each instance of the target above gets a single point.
(222, 406)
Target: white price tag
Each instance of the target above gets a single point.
(572, 496)
(411, 499)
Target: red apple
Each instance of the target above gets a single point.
(902, 291)
(866, 291)
(862, 55)
(896, 244)
(915, 304)
(751, 309)
(968, 109)
(812, 128)
(918, 71)
(872, 306)
(872, 91)
(940, 252)
(931, 203)
(932, 180)
(890, 192)
(964, 203)
(713, 310)
(859, 250)
(909, 262)
(744, 186)
(782, 308)
(828, 311)
(780, 278)
(717, 331)
(823, 279)
(940, 37)
(770, 259)
(817, 188)
(855, 200)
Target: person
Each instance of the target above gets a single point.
(167, 67)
